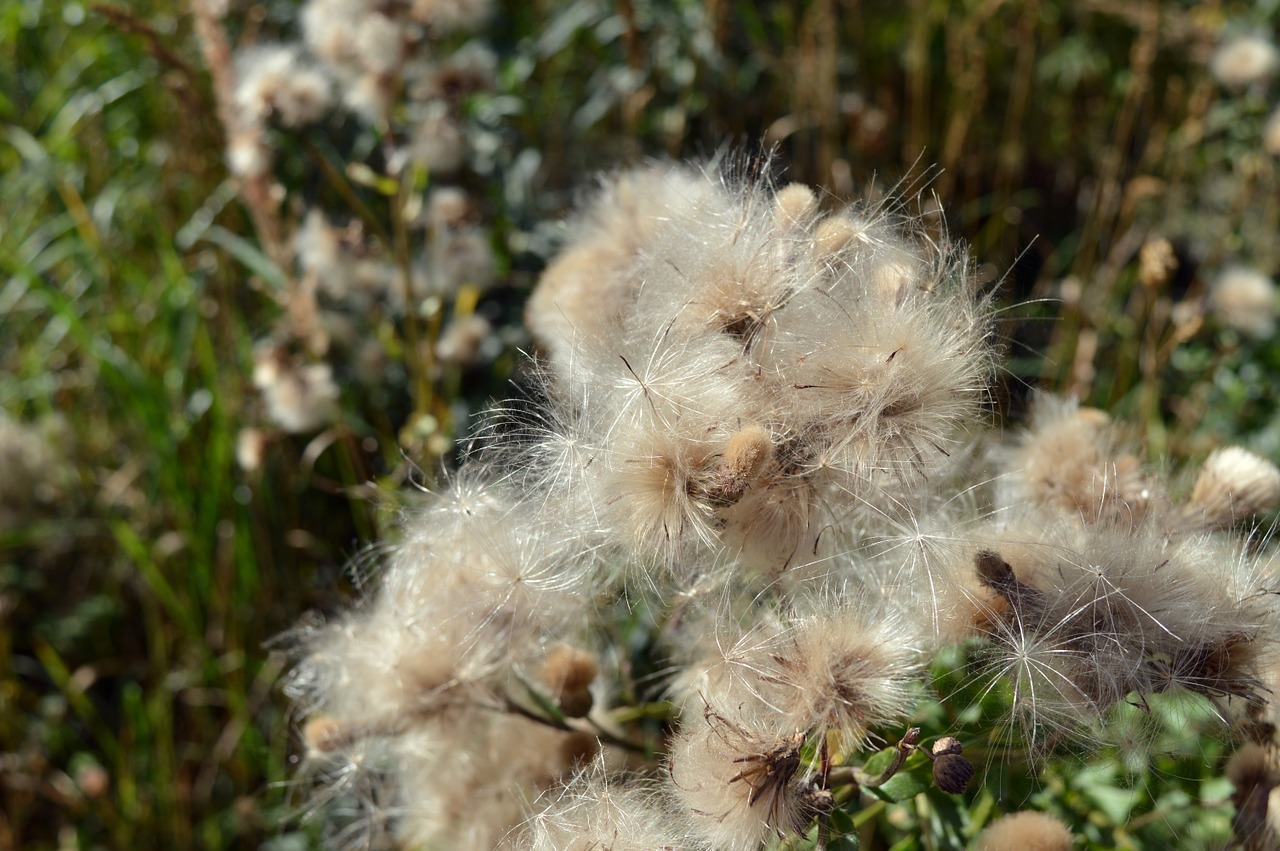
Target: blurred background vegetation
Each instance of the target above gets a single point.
(144, 574)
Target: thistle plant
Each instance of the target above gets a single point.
(379, 271)
(750, 536)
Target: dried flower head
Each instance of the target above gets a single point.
(597, 810)
(1026, 831)
(1086, 617)
(1244, 60)
(1070, 463)
(300, 397)
(837, 671)
(1244, 299)
(463, 339)
(1234, 485)
(568, 672)
(1252, 772)
(951, 771)
(1156, 263)
(276, 84)
(736, 782)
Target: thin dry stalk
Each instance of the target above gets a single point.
(259, 192)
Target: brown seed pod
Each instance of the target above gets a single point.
(952, 772)
(568, 673)
(947, 745)
(325, 734)
(576, 704)
(810, 803)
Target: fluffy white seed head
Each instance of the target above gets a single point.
(1234, 485)
(1026, 831)
(35, 475)
(300, 397)
(1244, 60)
(737, 783)
(1070, 463)
(1083, 616)
(838, 672)
(1244, 299)
(584, 293)
(446, 16)
(274, 83)
(598, 810)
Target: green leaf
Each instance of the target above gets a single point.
(247, 253)
(365, 176)
(844, 832)
(900, 787)
(878, 762)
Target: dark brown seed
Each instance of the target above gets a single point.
(952, 773)
(576, 704)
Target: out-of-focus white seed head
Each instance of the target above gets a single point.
(1244, 299)
(324, 734)
(35, 474)
(446, 16)
(448, 207)
(248, 154)
(1026, 831)
(1244, 60)
(378, 43)
(1234, 485)
(471, 69)
(250, 447)
(1251, 765)
(275, 83)
(567, 673)
(300, 397)
(317, 243)
(1156, 263)
(437, 142)
(460, 257)
(327, 26)
(462, 340)
(370, 97)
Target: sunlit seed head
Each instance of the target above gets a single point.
(1026, 831)
(1234, 485)
(1243, 60)
(1156, 263)
(796, 205)
(324, 734)
(735, 782)
(1244, 300)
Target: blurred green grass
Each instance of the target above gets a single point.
(137, 612)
